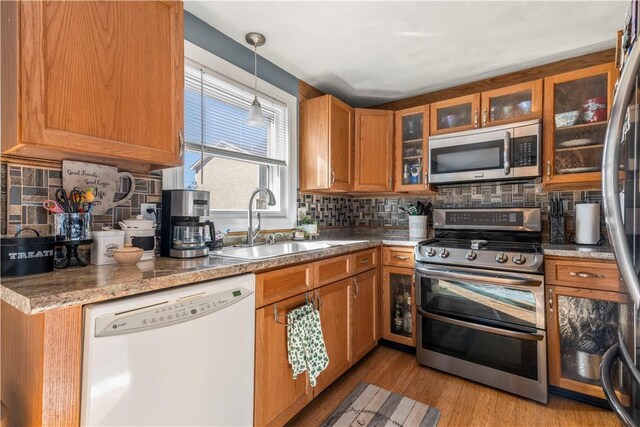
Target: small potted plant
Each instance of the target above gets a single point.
(309, 225)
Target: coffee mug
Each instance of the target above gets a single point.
(104, 179)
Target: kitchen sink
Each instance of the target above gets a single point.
(278, 249)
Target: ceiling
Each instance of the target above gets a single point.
(367, 53)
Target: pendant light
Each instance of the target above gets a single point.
(255, 112)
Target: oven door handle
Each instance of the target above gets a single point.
(482, 328)
(477, 277)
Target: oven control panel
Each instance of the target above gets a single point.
(495, 219)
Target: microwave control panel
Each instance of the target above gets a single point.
(525, 151)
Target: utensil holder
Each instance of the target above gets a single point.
(556, 230)
(71, 227)
(418, 226)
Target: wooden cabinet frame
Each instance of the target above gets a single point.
(370, 145)
(326, 145)
(38, 123)
(577, 180)
(553, 337)
(534, 86)
(473, 99)
(387, 334)
(398, 151)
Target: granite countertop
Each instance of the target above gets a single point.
(79, 286)
(577, 251)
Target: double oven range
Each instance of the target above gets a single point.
(480, 298)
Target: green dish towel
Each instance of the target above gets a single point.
(305, 342)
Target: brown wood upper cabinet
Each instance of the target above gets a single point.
(412, 149)
(326, 144)
(494, 107)
(577, 105)
(373, 150)
(96, 81)
(457, 114)
(513, 103)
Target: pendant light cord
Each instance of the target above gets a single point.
(255, 68)
(202, 116)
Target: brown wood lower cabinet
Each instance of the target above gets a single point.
(277, 396)
(364, 334)
(349, 315)
(334, 302)
(582, 324)
(398, 314)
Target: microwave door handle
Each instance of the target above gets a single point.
(483, 328)
(476, 277)
(507, 153)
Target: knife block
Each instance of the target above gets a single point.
(556, 230)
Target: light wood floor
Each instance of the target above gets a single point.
(461, 402)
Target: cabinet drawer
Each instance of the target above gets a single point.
(365, 260)
(277, 285)
(590, 274)
(399, 256)
(332, 269)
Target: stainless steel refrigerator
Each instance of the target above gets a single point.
(621, 195)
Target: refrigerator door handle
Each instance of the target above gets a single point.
(607, 385)
(610, 167)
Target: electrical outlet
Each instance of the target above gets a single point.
(149, 215)
(302, 212)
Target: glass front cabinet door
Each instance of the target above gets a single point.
(457, 114)
(512, 104)
(411, 149)
(576, 110)
(581, 325)
(398, 305)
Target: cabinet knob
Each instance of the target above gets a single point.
(390, 182)
(484, 117)
(333, 176)
(550, 299)
(475, 119)
(355, 289)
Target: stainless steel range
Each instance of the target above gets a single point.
(480, 298)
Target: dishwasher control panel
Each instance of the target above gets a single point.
(167, 312)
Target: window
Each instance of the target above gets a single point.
(227, 157)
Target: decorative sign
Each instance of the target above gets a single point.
(104, 179)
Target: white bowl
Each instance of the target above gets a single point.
(567, 119)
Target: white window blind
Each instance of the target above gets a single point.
(216, 111)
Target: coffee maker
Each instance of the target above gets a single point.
(183, 233)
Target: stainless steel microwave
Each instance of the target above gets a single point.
(510, 151)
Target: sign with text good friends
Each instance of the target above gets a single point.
(103, 179)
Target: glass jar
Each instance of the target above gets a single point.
(189, 235)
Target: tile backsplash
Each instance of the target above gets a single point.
(25, 187)
(382, 211)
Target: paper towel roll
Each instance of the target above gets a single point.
(587, 223)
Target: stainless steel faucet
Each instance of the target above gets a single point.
(272, 239)
(252, 232)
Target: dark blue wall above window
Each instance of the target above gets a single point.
(204, 35)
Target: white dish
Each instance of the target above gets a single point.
(580, 170)
(575, 143)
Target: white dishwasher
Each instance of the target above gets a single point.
(181, 356)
